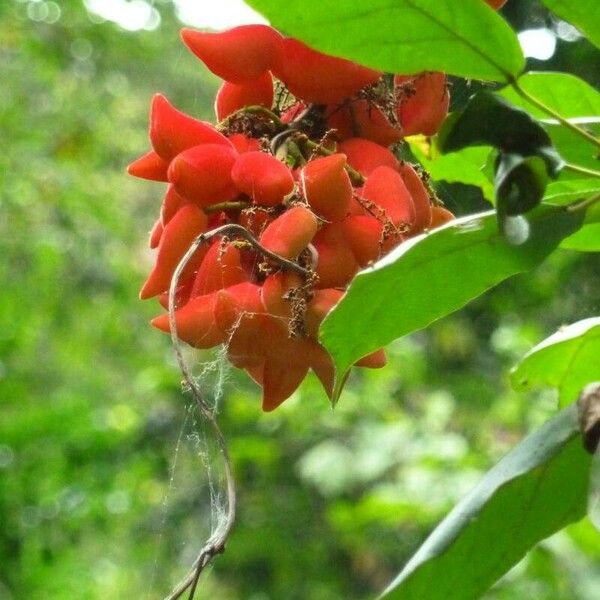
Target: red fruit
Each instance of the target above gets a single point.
(220, 268)
(177, 237)
(420, 197)
(336, 265)
(255, 219)
(172, 131)
(202, 174)
(172, 202)
(274, 290)
(375, 360)
(362, 119)
(149, 166)
(201, 322)
(327, 187)
(243, 143)
(319, 307)
(385, 188)
(155, 234)
(365, 155)
(238, 55)
(182, 295)
(233, 96)
(290, 233)
(440, 216)
(363, 234)
(262, 177)
(315, 77)
(280, 379)
(424, 106)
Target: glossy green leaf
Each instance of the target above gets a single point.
(464, 166)
(567, 191)
(433, 275)
(584, 14)
(564, 93)
(490, 120)
(405, 36)
(567, 360)
(537, 489)
(573, 148)
(587, 239)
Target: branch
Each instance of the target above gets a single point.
(216, 542)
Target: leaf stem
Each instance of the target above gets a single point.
(584, 204)
(581, 170)
(513, 81)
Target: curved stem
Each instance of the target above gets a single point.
(552, 113)
(581, 170)
(252, 110)
(232, 205)
(584, 204)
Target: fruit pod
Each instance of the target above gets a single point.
(172, 202)
(290, 233)
(423, 107)
(327, 187)
(336, 264)
(419, 195)
(238, 55)
(203, 322)
(319, 307)
(220, 268)
(262, 177)
(387, 190)
(315, 77)
(364, 236)
(365, 156)
(172, 131)
(175, 241)
(149, 166)
(361, 118)
(242, 143)
(440, 216)
(155, 234)
(202, 174)
(275, 290)
(234, 96)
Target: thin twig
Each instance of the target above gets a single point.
(551, 112)
(583, 204)
(581, 170)
(216, 542)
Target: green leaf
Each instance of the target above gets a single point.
(490, 120)
(536, 490)
(587, 239)
(567, 191)
(464, 166)
(564, 93)
(572, 148)
(463, 38)
(584, 14)
(567, 360)
(433, 275)
(520, 183)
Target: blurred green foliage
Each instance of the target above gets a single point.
(102, 492)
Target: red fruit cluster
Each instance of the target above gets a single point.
(299, 180)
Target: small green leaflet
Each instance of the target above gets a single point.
(567, 360)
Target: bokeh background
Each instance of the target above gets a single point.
(102, 492)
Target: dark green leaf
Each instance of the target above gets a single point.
(464, 38)
(537, 489)
(567, 360)
(584, 14)
(433, 275)
(520, 183)
(489, 120)
(564, 93)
